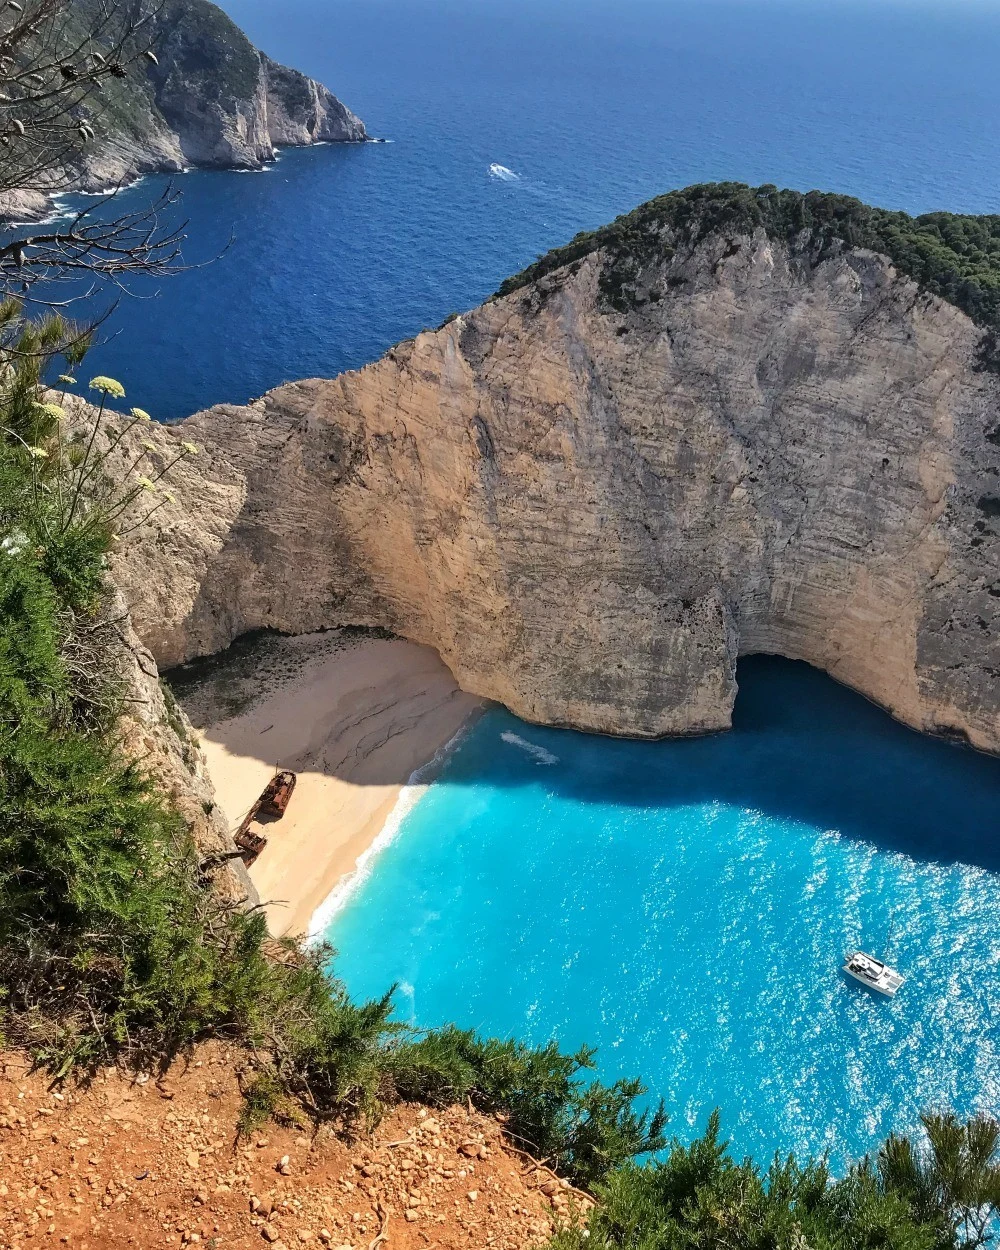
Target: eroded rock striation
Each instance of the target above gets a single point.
(596, 492)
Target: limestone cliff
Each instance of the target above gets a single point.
(213, 101)
(592, 503)
(158, 735)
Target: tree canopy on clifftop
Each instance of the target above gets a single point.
(954, 256)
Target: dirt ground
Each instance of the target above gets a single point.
(132, 1160)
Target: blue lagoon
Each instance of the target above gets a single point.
(686, 906)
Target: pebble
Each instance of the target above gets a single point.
(418, 1180)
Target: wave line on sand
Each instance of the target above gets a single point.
(416, 787)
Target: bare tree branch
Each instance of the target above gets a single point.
(57, 57)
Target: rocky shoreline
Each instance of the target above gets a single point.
(213, 101)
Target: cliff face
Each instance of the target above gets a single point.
(229, 105)
(156, 733)
(592, 511)
(214, 101)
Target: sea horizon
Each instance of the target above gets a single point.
(339, 252)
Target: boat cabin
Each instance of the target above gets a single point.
(873, 973)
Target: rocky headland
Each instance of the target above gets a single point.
(212, 101)
(694, 436)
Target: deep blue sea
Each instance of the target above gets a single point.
(592, 105)
(683, 906)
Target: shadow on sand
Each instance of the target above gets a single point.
(802, 747)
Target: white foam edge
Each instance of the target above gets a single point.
(107, 192)
(58, 203)
(417, 785)
(59, 211)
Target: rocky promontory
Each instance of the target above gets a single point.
(695, 436)
(211, 100)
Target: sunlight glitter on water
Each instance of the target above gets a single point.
(686, 907)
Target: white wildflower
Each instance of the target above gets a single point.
(14, 544)
(108, 386)
(56, 411)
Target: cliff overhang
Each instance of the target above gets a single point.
(592, 509)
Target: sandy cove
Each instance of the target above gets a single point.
(354, 717)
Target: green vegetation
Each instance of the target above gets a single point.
(584, 1130)
(200, 47)
(106, 944)
(111, 944)
(699, 1198)
(202, 44)
(114, 947)
(956, 257)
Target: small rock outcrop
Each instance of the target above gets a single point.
(592, 506)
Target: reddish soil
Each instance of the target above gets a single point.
(134, 1161)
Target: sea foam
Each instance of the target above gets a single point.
(538, 754)
(503, 173)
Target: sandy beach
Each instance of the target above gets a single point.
(353, 716)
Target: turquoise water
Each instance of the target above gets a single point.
(686, 907)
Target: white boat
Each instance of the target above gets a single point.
(873, 973)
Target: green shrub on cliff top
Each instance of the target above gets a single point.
(111, 944)
(954, 256)
(104, 939)
(939, 1193)
(584, 1128)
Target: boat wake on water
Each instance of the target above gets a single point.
(503, 173)
(538, 754)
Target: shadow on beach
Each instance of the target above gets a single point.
(802, 747)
